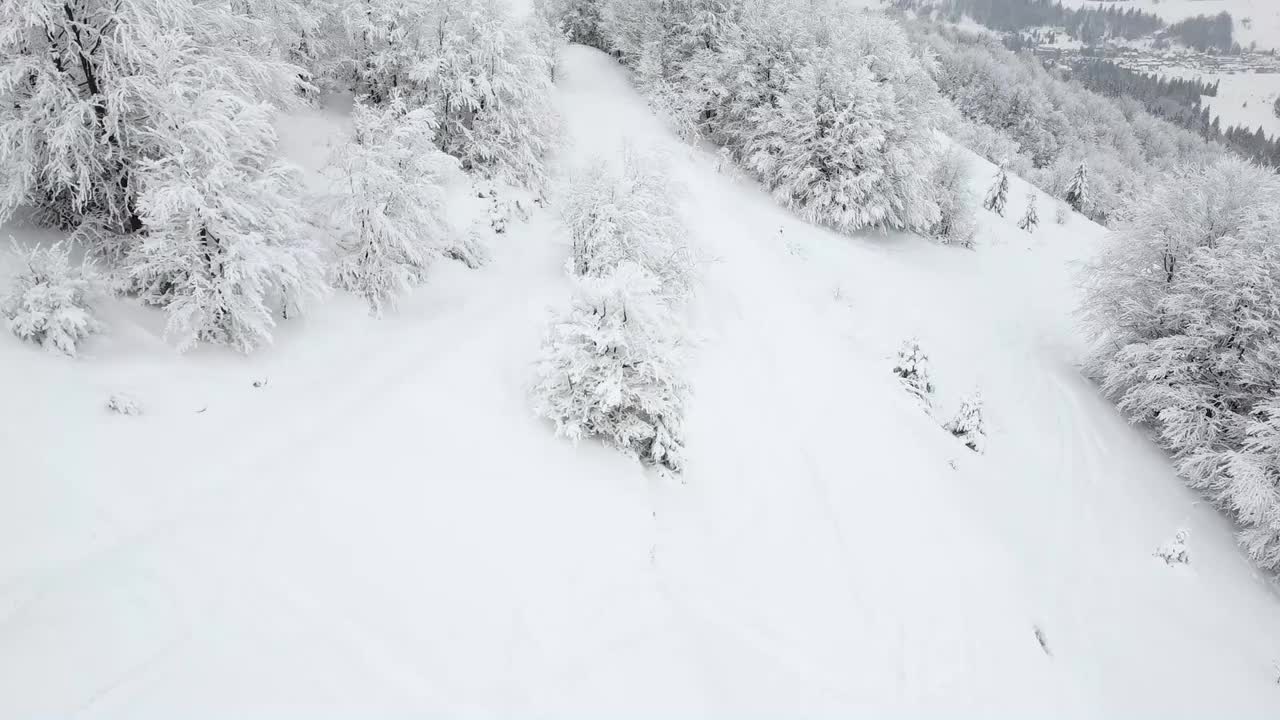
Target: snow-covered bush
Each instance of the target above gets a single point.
(956, 223)
(912, 369)
(628, 215)
(611, 368)
(50, 300)
(968, 424)
(1184, 308)
(122, 404)
(227, 245)
(391, 203)
(579, 20)
(1062, 212)
(1174, 552)
(998, 194)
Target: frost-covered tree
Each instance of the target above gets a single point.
(579, 20)
(956, 223)
(628, 214)
(912, 369)
(227, 246)
(391, 203)
(1174, 552)
(1030, 219)
(611, 368)
(90, 90)
(1078, 190)
(484, 73)
(50, 300)
(1185, 311)
(968, 424)
(998, 195)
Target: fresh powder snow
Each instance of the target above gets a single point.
(366, 518)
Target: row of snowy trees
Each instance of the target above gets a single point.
(613, 363)
(1184, 306)
(828, 106)
(145, 127)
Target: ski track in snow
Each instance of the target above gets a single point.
(384, 529)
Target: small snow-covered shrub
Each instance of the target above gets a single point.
(122, 404)
(968, 424)
(1063, 212)
(956, 223)
(391, 207)
(50, 302)
(1174, 552)
(912, 369)
(611, 368)
(628, 216)
(469, 248)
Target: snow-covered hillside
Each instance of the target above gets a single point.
(370, 521)
(1256, 21)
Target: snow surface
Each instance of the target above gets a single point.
(381, 527)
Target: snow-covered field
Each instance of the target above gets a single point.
(381, 527)
(1248, 100)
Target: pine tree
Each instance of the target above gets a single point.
(912, 369)
(1078, 191)
(998, 195)
(391, 208)
(968, 424)
(1031, 220)
(611, 368)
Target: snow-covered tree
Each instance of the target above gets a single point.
(968, 424)
(956, 223)
(628, 215)
(912, 369)
(611, 368)
(1174, 552)
(1062, 212)
(1078, 190)
(1030, 219)
(227, 246)
(579, 20)
(87, 96)
(50, 301)
(484, 73)
(391, 202)
(1185, 311)
(998, 195)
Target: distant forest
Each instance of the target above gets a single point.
(1175, 100)
(1089, 25)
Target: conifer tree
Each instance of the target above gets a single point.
(912, 369)
(1078, 191)
(968, 424)
(998, 195)
(1031, 220)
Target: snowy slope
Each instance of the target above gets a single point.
(383, 527)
